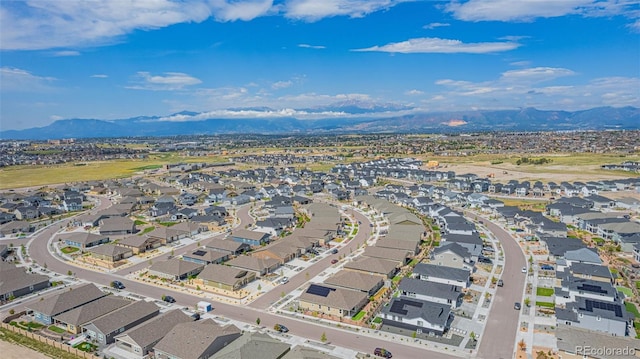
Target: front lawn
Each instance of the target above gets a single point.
(378, 320)
(546, 304)
(27, 325)
(69, 250)
(631, 308)
(58, 330)
(358, 316)
(626, 291)
(544, 292)
(86, 347)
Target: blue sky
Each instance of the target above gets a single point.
(230, 58)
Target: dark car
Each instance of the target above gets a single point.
(281, 328)
(517, 306)
(334, 261)
(334, 251)
(169, 299)
(117, 284)
(484, 260)
(195, 316)
(546, 267)
(500, 283)
(381, 352)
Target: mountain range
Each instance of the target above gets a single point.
(348, 117)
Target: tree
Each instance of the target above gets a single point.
(323, 337)
(258, 321)
(527, 301)
(259, 287)
(472, 335)
(69, 272)
(522, 345)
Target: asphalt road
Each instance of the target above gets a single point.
(498, 340)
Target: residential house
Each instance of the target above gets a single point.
(250, 237)
(441, 274)
(84, 240)
(254, 345)
(175, 269)
(227, 246)
(140, 340)
(573, 343)
(596, 315)
(113, 226)
(594, 272)
(205, 256)
(282, 250)
(411, 245)
(110, 252)
(395, 255)
(73, 320)
(195, 340)
(431, 291)
(411, 315)
(105, 328)
(453, 255)
(139, 244)
(367, 283)
(26, 212)
(385, 268)
(332, 301)
(16, 282)
(261, 266)
(44, 310)
(225, 277)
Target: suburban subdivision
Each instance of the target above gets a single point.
(262, 256)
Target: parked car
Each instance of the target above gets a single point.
(334, 261)
(382, 352)
(281, 328)
(546, 267)
(195, 316)
(485, 260)
(117, 284)
(284, 280)
(168, 299)
(524, 269)
(334, 251)
(500, 283)
(517, 306)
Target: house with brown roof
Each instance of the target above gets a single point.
(369, 265)
(175, 269)
(261, 266)
(114, 226)
(139, 244)
(166, 234)
(332, 301)
(225, 277)
(44, 310)
(74, 319)
(367, 283)
(104, 329)
(205, 256)
(195, 340)
(83, 240)
(411, 245)
(139, 340)
(15, 227)
(253, 238)
(110, 252)
(396, 255)
(253, 345)
(282, 250)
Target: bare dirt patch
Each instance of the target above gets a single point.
(14, 351)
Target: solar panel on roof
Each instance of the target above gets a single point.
(592, 288)
(319, 290)
(611, 307)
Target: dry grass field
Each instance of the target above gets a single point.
(15, 351)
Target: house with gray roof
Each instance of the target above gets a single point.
(596, 315)
(110, 252)
(104, 329)
(431, 291)
(406, 315)
(572, 287)
(195, 340)
(261, 266)
(225, 277)
(44, 310)
(582, 255)
(253, 345)
(74, 319)
(451, 254)
(594, 272)
(83, 240)
(175, 269)
(575, 342)
(227, 246)
(440, 274)
(205, 256)
(140, 340)
(114, 226)
(411, 245)
(302, 352)
(558, 246)
(16, 282)
(396, 255)
(367, 283)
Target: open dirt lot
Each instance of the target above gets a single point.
(14, 351)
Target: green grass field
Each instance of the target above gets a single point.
(358, 316)
(626, 291)
(545, 304)
(544, 292)
(58, 330)
(69, 250)
(631, 308)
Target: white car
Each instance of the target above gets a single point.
(524, 269)
(284, 280)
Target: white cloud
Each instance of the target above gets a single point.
(56, 117)
(535, 74)
(414, 93)
(529, 10)
(444, 46)
(99, 76)
(44, 24)
(66, 53)
(18, 80)
(307, 46)
(281, 85)
(434, 25)
(169, 81)
(520, 63)
(313, 10)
